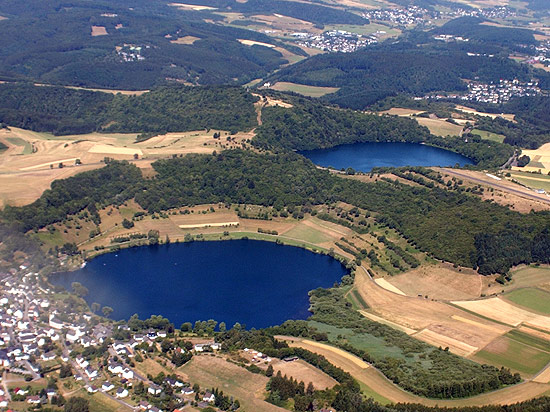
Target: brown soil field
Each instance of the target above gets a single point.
(378, 383)
(247, 387)
(502, 311)
(185, 40)
(419, 314)
(99, 31)
(440, 281)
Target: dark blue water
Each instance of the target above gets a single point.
(255, 283)
(364, 156)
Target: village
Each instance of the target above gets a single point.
(495, 93)
(336, 40)
(48, 352)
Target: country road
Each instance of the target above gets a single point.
(523, 193)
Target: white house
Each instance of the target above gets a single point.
(208, 397)
(121, 393)
(107, 386)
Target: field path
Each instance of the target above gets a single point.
(377, 382)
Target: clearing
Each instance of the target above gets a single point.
(99, 31)
(255, 43)
(185, 40)
(305, 90)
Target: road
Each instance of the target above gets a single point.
(504, 188)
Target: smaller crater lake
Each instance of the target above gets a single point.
(363, 157)
(255, 283)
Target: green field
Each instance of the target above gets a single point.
(531, 298)
(308, 234)
(533, 180)
(489, 135)
(513, 354)
(17, 141)
(310, 91)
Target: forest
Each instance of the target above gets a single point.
(449, 225)
(369, 75)
(311, 125)
(58, 47)
(64, 111)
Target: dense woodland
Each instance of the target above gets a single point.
(450, 225)
(371, 74)
(58, 47)
(167, 109)
(310, 125)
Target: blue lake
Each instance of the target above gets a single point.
(364, 156)
(255, 283)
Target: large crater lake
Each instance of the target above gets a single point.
(365, 156)
(255, 283)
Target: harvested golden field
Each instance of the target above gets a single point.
(502, 311)
(420, 314)
(47, 157)
(440, 281)
(507, 116)
(399, 111)
(540, 159)
(382, 282)
(247, 387)
(255, 43)
(303, 371)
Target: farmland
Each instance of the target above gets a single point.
(531, 298)
(311, 91)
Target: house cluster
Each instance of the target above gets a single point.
(447, 38)
(498, 12)
(130, 52)
(539, 54)
(409, 16)
(495, 93)
(257, 356)
(336, 40)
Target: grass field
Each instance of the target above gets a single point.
(311, 91)
(515, 355)
(17, 141)
(531, 298)
(489, 135)
(533, 180)
(440, 127)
